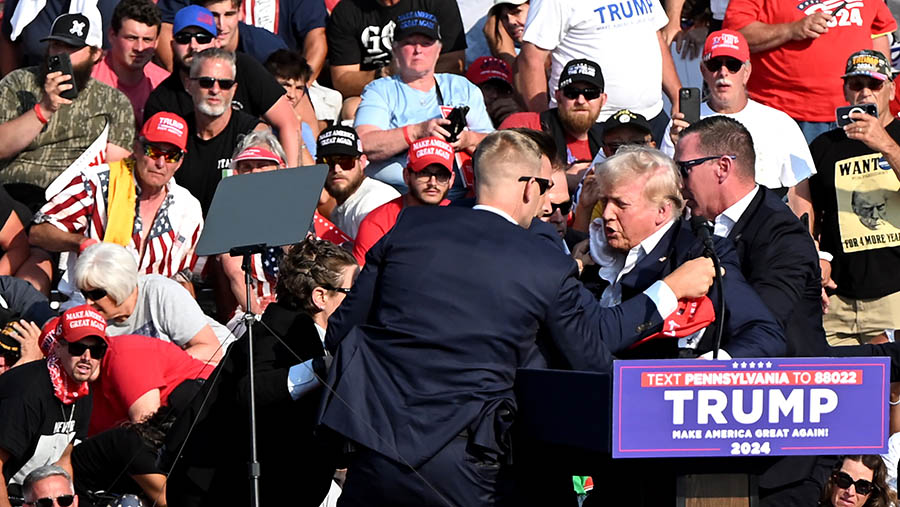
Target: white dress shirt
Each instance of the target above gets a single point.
(301, 377)
(726, 220)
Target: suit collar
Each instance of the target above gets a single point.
(747, 215)
(496, 211)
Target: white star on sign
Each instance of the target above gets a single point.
(734, 365)
(743, 364)
(77, 28)
(768, 364)
(752, 364)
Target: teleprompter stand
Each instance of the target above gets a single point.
(250, 213)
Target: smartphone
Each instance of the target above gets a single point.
(457, 119)
(842, 114)
(62, 63)
(689, 104)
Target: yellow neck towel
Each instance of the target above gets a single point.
(120, 203)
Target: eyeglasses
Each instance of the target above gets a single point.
(154, 152)
(62, 501)
(844, 481)
(563, 208)
(185, 37)
(543, 183)
(77, 349)
(441, 175)
(342, 290)
(94, 294)
(614, 146)
(858, 84)
(732, 64)
(207, 82)
(685, 166)
(346, 163)
(572, 93)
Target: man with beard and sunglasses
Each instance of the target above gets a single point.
(783, 162)
(428, 175)
(134, 203)
(355, 193)
(215, 128)
(45, 405)
(44, 133)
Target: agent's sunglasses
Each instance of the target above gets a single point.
(62, 500)
(572, 93)
(207, 82)
(94, 294)
(686, 166)
(185, 37)
(98, 350)
(843, 481)
(154, 152)
(342, 290)
(563, 208)
(543, 183)
(732, 64)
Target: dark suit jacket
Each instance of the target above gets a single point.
(750, 329)
(447, 307)
(779, 260)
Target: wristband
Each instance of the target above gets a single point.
(40, 115)
(406, 135)
(894, 403)
(825, 256)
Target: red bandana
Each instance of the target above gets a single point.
(67, 390)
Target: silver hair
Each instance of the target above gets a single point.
(110, 267)
(42, 472)
(265, 138)
(213, 54)
(630, 162)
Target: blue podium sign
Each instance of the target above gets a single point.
(748, 407)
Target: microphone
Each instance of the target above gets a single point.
(703, 229)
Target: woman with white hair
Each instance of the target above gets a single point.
(150, 305)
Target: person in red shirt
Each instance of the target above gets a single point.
(429, 176)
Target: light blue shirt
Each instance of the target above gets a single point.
(389, 103)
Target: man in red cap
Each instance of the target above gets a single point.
(783, 162)
(494, 77)
(45, 405)
(429, 176)
(134, 203)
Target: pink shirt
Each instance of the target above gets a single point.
(137, 94)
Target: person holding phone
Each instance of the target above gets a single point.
(52, 114)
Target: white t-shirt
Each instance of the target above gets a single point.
(782, 155)
(619, 35)
(370, 195)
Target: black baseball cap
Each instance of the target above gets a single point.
(338, 140)
(581, 70)
(417, 22)
(70, 28)
(624, 117)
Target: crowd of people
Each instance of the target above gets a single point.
(510, 183)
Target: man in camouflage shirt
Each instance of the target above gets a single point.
(44, 133)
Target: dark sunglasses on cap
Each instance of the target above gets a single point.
(77, 349)
(207, 82)
(543, 183)
(859, 84)
(685, 166)
(62, 501)
(844, 481)
(732, 64)
(563, 208)
(154, 152)
(572, 93)
(345, 162)
(185, 37)
(441, 175)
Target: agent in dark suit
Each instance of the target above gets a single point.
(296, 467)
(448, 304)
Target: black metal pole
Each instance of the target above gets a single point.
(249, 319)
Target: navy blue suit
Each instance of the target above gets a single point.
(750, 329)
(427, 345)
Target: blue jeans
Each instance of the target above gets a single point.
(813, 129)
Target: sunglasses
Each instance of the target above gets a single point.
(543, 183)
(685, 166)
(441, 176)
(563, 208)
(185, 37)
(207, 82)
(732, 64)
(614, 146)
(844, 481)
(859, 84)
(76, 349)
(572, 93)
(342, 290)
(62, 500)
(94, 294)
(154, 152)
(346, 163)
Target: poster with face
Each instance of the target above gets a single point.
(868, 203)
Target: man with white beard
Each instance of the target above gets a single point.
(214, 126)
